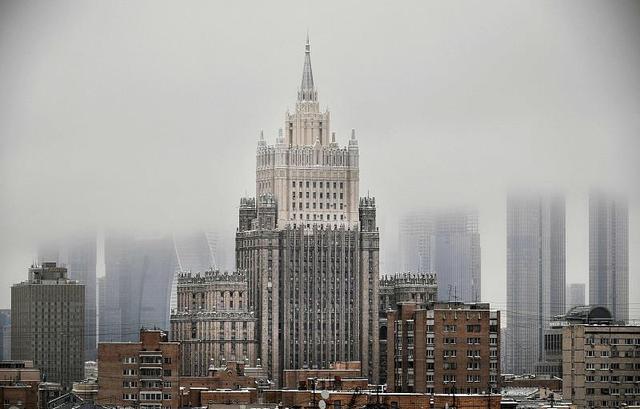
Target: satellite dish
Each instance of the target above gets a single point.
(324, 394)
(322, 404)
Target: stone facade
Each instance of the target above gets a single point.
(142, 374)
(212, 321)
(310, 248)
(47, 323)
(406, 287)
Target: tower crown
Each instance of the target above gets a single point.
(307, 90)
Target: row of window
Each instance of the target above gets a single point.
(318, 216)
(314, 196)
(315, 184)
(146, 360)
(590, 366)
(613, 391)
(612, 378)
(606, 354)
(612, 341)
(146, 372)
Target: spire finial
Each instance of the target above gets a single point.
(307, 88)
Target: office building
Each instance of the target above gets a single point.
(310, 247)
(5, 335)
(47, 323)
(139, 271)
(535, 274)
(77, 252)
(609, 253)
(450, 348)
(576, 295)
(212, 321)
(445, 242)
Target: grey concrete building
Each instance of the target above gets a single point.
(48, 323)
(445, 242)
(310, 247)
(609, 253)
(213, 322)
(576, 295)
(535, 274)
(78, 253)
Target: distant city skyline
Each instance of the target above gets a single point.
(145, 123)
(446, 242)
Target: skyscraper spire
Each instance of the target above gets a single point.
(307, 89)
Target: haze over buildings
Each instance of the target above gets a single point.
(609, 253)
(445, 242)
(535, 274)
(142, 115)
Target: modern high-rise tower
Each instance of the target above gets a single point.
(309, 247)
(139, 271)
(445, 242)
(535, 274)
(575, 295)
(609, 253)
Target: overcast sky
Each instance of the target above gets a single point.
(146, 114)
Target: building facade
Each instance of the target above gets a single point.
(609, 253)
(445, 242)
(420, 288)
(601, 365)
(535, 274)
(47, 323)
(450, 348)
(309, 247)
(77, 253)
(576, 293)
(142, 374)
(5, 335)
(395, 288)
(212, 321)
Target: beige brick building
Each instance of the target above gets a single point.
(601, 365)
(212, 321)
(141, 374)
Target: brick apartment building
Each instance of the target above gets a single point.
(141, 374)
(447, 348)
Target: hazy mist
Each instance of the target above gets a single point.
(145, 115)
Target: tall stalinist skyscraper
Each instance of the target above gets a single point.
(310, 246)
